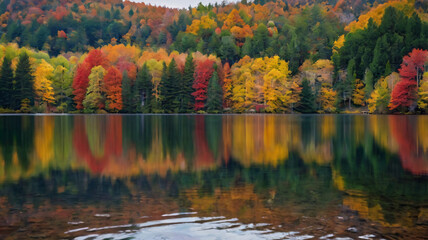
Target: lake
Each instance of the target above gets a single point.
(213, 177)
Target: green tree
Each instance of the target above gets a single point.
(368, 81)
(6, 83)
(260, 40)
(228, 49)
(24, 79)
(247, 48)
(128, 94)
(95, 97)
(169, 88)
(145, 89)
(186, 82)
(307, 99)
(214, 94)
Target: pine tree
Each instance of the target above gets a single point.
(127, 94)
(214, 94)
(186, 83)
(388, 69)
(307, 99)
(145, 90)
(24, 79)
(164, 78)
(6, 84)
(368, 82)
(379, 57)
(169, 90)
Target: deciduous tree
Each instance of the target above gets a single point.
(113, 89)
(404, 94)
(43, 83)
(95, 98)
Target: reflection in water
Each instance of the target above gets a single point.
(316, 175)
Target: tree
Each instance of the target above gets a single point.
(113, 89)
(358, 94)
(169, 88)
(368, 83)
(214, 94)
(80, 84)
(95, 98)
(61, 83)
(380, 97)
(24, 78)
(404, 94)
(145, 89)
(185, 88)
(350, 82)
(42, 82)
(228, 50)
(203, 73)
(227, 86)
(423, 93)
(327, 98)
(260, 40)
(6, 84)
(295, 95)
(307, 101)
(128, 95)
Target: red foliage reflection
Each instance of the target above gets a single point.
(413, 158)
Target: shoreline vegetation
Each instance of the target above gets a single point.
(114, 56)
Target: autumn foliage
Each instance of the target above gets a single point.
(203, 73)
(405, 92)
(112, 84)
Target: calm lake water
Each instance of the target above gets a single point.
(213, 177)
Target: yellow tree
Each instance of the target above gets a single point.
(423, 93)
(277, 86)
(243, 92)
(327, 98)
(295, 89)
(358, 94)
(42, 83)
(380, 97)
(233, 19)
(95, 94)
(205, 23)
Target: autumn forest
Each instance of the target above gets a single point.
(268, 56)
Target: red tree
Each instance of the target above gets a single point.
(113, 83)
(96, 57)
(203, 73)
(80, 82)
(404, 94)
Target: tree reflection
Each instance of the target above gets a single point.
(267, 163)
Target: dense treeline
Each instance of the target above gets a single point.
(266, 56)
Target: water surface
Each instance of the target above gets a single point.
(213, 177)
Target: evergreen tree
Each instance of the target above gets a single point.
(387, 69)
(260, 40)
(161, 88)
(127, 94)
(368, 81)
(380, 57)
(247, 48)
(6, 84)
(24, 79)
(170, 90)
(186, 82)
(145, 89)
(214, 94)
(307, 99)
